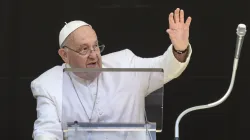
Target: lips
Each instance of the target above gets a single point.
(92, 65)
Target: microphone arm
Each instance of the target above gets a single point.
(235, 66)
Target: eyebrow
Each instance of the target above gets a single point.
(85, 45)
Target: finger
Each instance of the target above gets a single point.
(188, 22)
(182, 16)
(177, 15)
(171, 19)
(170, 32)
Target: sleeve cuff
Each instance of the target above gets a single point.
(174, 59)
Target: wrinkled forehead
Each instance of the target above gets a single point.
(84, 35)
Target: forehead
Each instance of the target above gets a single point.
(84, 35)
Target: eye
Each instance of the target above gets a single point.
(82, 49)
(85, 48)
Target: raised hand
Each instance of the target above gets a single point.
(178, 29)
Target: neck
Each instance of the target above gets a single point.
(83, 77)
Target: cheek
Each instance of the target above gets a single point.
(79, 62)
(82, 61)
(100, 59)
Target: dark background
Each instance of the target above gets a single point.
(29, 44)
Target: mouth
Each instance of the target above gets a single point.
(92, 65)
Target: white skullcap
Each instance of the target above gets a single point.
(69, 28)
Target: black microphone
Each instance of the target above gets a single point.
(241, 31)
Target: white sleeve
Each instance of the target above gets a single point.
(171, 66)
(47, 125)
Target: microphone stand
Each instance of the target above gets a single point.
(235, 66)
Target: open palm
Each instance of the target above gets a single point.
(178, 29)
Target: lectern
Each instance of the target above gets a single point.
(112, 103)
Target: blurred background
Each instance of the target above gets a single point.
(29, 44)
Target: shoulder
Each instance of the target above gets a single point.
(120, 58)
(48, 82)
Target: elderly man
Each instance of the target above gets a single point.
(79, 48)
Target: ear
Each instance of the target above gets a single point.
(63, 55)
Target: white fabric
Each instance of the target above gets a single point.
(115, 101)
(69, 28)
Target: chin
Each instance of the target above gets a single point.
(92, 66)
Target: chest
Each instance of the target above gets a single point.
(113, 96)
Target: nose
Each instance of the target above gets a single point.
(92, 54)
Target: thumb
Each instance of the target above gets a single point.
(169, 31)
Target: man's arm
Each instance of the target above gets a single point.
(168, 62)
(47, 126)
(171, 65)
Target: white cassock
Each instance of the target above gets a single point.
(118, 99)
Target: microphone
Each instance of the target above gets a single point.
(241, 31)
